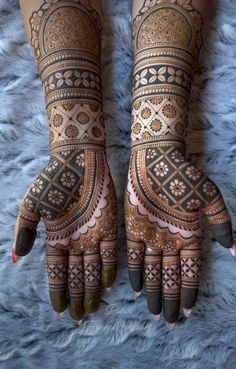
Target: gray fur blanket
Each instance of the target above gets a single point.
(122, 334)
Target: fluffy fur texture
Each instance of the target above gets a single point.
(122, 334)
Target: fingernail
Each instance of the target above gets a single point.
(233, 249)
(187, 312)
(14, 257)
(137, 294)
(108, 289)
(156, 317)
(78, 322)
(59, 315)
(171, 326)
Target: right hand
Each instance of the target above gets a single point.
(165, 198)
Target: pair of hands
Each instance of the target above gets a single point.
(165, 197)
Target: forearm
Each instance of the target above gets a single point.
(66, 42)
(167, 38)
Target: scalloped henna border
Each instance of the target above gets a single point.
(81, 230)
(161, 224)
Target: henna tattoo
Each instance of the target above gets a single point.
(77, 202)
(66, 37)
(167, 40)
(74, 194)
(72, 124)
(166, 195)
(163, 117)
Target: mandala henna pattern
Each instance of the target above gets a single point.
(166, 195)
(74, 194)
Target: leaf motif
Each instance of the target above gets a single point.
(58, 75)
(162, 70)
(77, 82)
(152, 79)
(171, 70)
(85, 82)
(152, 71)
(50, 79)
(144, 81)
(162, 78)
(60, 83)
(67, 74)
(178, 80)
(69, 82)
(77, 74)
(144, 72)
(170, 79)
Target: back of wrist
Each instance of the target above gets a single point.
(76, 125)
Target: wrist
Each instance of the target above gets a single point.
(160, 143)
(76, 125)
(159, 119)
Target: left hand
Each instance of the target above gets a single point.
(75, 197)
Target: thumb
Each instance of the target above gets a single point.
(219, 222)
(25, 228)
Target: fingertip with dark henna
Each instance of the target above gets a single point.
(25, 241)
(92, 301)
(223, 234)
(108, 276)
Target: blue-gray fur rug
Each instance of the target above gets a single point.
(122, 334)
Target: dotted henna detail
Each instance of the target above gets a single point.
(167, 41)
(66, 38)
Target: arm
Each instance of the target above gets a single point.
(166, 195)
(74, 194)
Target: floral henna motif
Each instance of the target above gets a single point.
(71, 194)
(166, 195)
(74, 194)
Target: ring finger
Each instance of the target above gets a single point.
(76, 284)
(152, 276)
